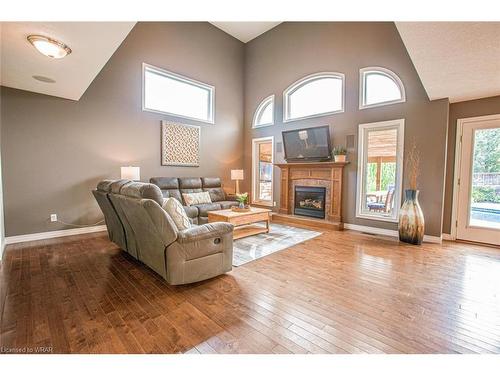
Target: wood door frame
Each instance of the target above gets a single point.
(458, 164)
(254, 142)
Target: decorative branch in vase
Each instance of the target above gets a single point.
(411, 217)
(242, 199)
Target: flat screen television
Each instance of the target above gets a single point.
(311, 144)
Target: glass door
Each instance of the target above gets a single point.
(478, 213)
(262, 171)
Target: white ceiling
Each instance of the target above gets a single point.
(456, 60)
(245, 31)
(92, 43)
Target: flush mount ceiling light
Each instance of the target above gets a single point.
(49, 47)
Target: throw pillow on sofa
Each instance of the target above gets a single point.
(174, 208)
(196, 198)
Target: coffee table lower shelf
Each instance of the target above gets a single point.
(244, 222)
(248, 230)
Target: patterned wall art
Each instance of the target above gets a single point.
(180, 144)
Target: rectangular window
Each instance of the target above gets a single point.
(380, 169)
(175, 95)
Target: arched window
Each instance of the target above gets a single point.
(379, 86)
(315, 95)
(264, 114)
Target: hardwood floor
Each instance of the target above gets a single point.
(342, 292)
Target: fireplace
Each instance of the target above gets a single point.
(310, 201)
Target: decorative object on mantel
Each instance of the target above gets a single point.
(237, 175)
(130, 173)
(339, 153)
(411, 217)
(242, 199)
(180, 144)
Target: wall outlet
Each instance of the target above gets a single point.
(274, 204)
(53, 217)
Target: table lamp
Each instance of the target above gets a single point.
(131, 173)
(237, 175)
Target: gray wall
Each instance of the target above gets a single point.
(2, 226)
(293, 50)
(471, 108)
(2, 220)
(54, 150)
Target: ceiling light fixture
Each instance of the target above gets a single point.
(49, 47)
(44, 79)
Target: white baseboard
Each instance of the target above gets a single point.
(386, 232)
(53, 234)
(448, 237)
(371, 230)
(433, 239)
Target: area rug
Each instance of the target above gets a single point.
(279, 238)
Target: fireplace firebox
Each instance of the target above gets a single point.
(310, 201)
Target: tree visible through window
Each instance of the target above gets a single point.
(380, 170)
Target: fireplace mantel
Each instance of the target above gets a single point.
(327, 174)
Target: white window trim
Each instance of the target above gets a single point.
(269, 99)
(400, 123)
(181, 78)
(389, 74)
(303, 81)
(255, 141)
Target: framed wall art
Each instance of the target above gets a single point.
(180, 144)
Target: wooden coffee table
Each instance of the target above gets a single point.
(243, 221)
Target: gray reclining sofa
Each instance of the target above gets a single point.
(198, 214)
(138, 224)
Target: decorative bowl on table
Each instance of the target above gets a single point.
(241, 209)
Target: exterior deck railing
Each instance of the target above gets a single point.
(486, 179)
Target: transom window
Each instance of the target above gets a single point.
(315, 95)
(380, 168)
(379, 86)
(173, 94)
(264, 115)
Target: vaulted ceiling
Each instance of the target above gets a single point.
(456, 60)
(245, 31)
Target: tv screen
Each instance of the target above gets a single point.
(311, 144)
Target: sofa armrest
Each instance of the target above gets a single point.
(205, 231)
(191, 211)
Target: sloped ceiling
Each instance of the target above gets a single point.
(245, 31)
(455, 60)
(92, 44)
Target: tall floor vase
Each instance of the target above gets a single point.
(411, 219)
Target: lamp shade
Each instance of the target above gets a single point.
(131, 173)
(236, 174)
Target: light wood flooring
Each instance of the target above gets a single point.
(341, 292)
